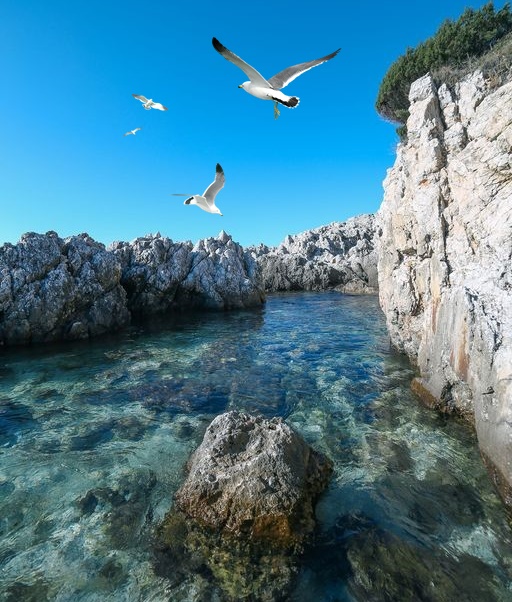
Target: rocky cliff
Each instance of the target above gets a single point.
(445, 251)
(55, 289)
(339, 256)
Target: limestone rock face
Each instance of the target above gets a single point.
(445, 255)
(160, 275)
(341, 256)
(53, 289)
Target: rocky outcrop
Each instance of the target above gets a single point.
(445, 256)
(339, 256)
(247, 505)
(159, 275)
(54, 289)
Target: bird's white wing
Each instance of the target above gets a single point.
(211, 192)
(132, 132)
(283, 78)
(252, 74)
(140, 97)
(159, 106)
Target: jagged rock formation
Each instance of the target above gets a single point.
(60, 289)
(53, 289)
(339, 256)
(159, 275)
(445, 256)
(247, 505)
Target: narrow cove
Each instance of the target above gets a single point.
(95, 437)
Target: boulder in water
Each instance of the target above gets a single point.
(246, 507)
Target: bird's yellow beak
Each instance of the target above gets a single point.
(240, 86)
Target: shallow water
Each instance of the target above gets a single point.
(94, 439)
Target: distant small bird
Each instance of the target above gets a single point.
(206, 202)
(269, 89)
(132, 132)
(148, 103)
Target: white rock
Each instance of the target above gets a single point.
(340, 255)
(445, 255)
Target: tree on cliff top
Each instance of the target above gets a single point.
(472, 35)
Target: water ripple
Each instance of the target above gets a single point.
(94, 438)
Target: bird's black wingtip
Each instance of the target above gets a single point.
(217, 45)
(218, 168)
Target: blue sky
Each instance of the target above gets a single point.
(69, 69)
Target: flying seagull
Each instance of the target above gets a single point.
(132, 132)
(270, 89)
(206, 202)
(148, 103)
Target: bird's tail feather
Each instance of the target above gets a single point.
(291, 103)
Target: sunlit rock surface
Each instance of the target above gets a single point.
(339, 256)
(445, 251)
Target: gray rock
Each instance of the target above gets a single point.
(160, 275)
(339, 256)
(445, 256)
(254, 477)
(245, 509)
(56, 289)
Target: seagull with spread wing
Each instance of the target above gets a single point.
(270, 89)
(206, 201)
(132, 132)
(148, 103)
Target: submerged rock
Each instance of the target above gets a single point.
(341, 255)
(246, 508)
(383, 566)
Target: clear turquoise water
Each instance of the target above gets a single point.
(94, 439)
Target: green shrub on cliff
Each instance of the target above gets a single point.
(454, 45)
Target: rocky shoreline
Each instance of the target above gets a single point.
(340, 256)
(438, 252)
(54, 289)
